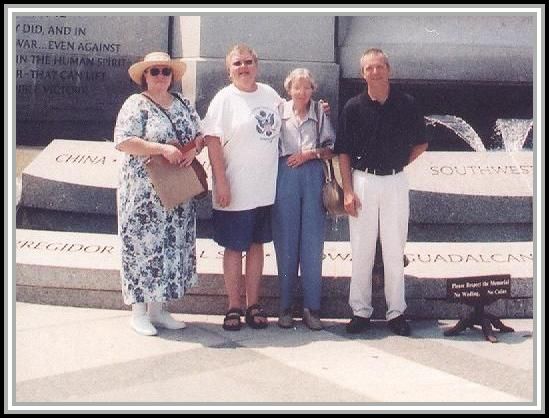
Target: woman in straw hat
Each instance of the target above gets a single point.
(157, 244)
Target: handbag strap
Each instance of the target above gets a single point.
(319, 122)
(182, 148)
(329, 173)
(327, 165)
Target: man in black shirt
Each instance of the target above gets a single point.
(380, 132)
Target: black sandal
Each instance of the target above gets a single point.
(232, 316)
(250, 317)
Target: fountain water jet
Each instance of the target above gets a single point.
(461, 128)
(513, 132)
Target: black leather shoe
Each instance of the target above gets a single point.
(357, 324)
(399, 326)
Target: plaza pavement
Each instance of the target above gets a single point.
(70, 356)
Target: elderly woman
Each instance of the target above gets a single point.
(306, 138)
(157, 244)
(242, 127)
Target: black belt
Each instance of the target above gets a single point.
(382, 172)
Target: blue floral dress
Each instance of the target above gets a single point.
(158, 245)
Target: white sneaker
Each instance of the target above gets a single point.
(164, 319)
(142, 325)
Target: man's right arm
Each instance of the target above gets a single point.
(350, 200)
(217, 161)
(416, 151)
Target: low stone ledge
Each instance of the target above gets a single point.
(445, 187)
(83, 270)
(471, 187)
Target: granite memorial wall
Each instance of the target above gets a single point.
(71, 72)
(71, 79)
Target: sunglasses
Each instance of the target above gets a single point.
(246, 63)
(156, 71)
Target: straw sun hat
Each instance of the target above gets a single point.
(156, 58)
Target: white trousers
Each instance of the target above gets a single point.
(385, 210)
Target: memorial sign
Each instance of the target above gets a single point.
(474, 290)
(479, 292)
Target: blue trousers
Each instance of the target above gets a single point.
(298, 231)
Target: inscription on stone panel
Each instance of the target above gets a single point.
(479, 170)
(454, 260)
(73, 176)
(471, 258)
(434, 260)
(471, 188)
(473, 173)
(74, 249)
(87, 163)
(75, 67)
(67, 249)
(59, 247)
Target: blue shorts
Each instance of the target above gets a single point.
(238, 230)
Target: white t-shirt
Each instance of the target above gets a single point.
(249, 127)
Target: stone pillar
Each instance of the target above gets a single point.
(281, 42)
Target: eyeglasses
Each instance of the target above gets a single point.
(246, 63)
(155, 71)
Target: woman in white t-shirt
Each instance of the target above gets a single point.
(242, 128)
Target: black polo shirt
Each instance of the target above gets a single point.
(380, 136)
